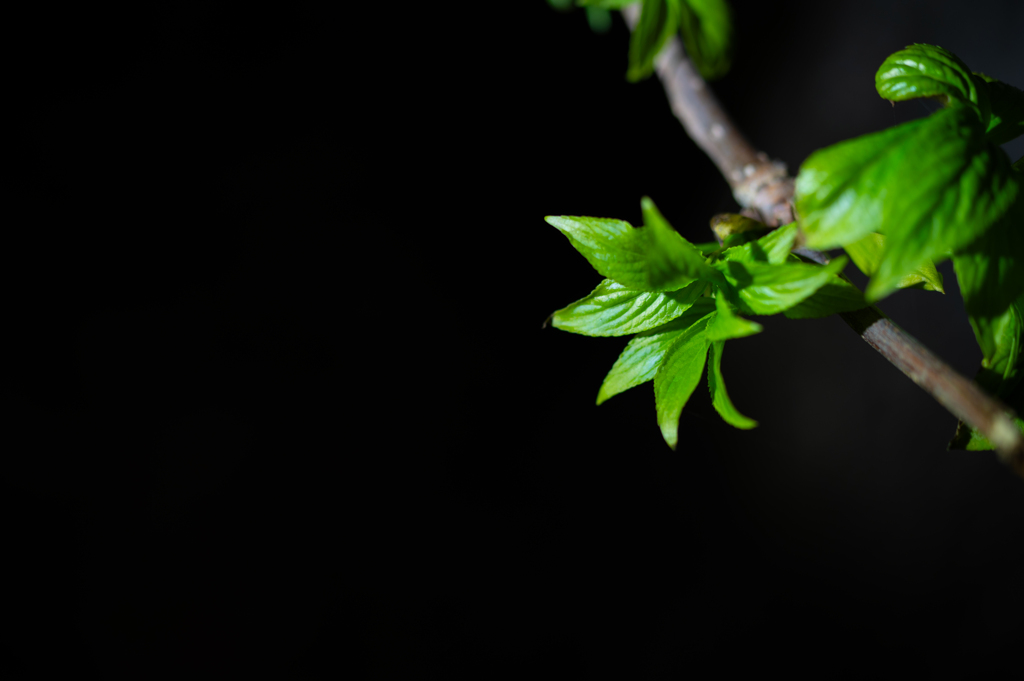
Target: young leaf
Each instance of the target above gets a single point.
(1007, 121)
(640, 360)
(931, 186)
(719, 397)
(677, 377)
(772, 248)
(706, 27)
(652, 258)
(866, 253)
(614, 310)
(930, 71)
(659, 19)
(726, 324)
(708, 248)
(671, 259)
(761, 288)
(837, 295)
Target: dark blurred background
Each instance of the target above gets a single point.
(280, 403)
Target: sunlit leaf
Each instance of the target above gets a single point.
(640, 360)
(719, 397)
(677, 377)
(614, 310)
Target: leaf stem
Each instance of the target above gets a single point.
(765, 187)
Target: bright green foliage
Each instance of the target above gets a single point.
(930, 71)
(671, 259)
(866, 253)
(640, 360)
(762, 288)
(706, 27)
(654, 258)
(726, 324)
(719, 397)
(772, 248)
(678, 327)
(659, 20)
(837, 295)
(614, 310)
(899, 201)
(677, 377)
(931, 186)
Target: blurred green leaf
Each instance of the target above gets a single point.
(706, 27)
(990, 270)
(1007, 121)
(719, 397)
(659, 20)
(599, 19)
(837, 295)
(605, 4)
(677, 377)
(614, 310)
(866, 253)
(931, 186)
(640, 360)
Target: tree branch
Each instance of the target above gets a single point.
(765, 188)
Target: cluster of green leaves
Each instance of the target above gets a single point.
(903, 199)
(705, 27)
(683, 302)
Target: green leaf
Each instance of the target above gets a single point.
(930, 71)
(677, 377)
(1000, 342)
(658, 22)
(931, 186)
(837, 295)
(719, 397)
(1001, 339)
(1007, 121)
(990, 271)
(708, 248)
(652, 258)
(706, 27)
(762, 288)
(672, 260)
(772, 248)
(614, 310)
(726, 324)
(640, 360)
(604, 4)
(866, 253)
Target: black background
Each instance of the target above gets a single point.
(280, 401)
